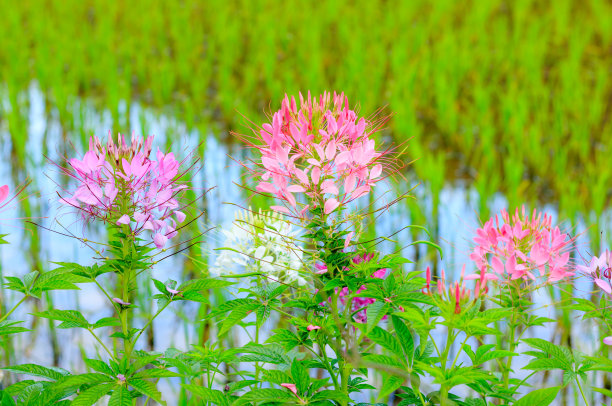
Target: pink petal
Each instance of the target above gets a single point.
(4, 192)
(281, 209)
(125, 219)
(607, 340)
(311, 327)
(331, 205)
(605, 286)
(160, 240)
(376, 171)
(497, 265)
(348, 239)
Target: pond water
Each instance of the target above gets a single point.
(457, 221)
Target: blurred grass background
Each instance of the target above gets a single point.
(512, 96)
(498, 96)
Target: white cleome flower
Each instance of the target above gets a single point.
(264, 242)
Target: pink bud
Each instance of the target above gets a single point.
(291, 387)
(311, 327)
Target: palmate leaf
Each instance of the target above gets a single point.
(146, 388)
(386, 340)
(330, 395)
(69, 318)
(90, 396)
(52, 373)
(375, 312)
(300, 376)
(208, 395)
(539, 397)
(9, 327)
(267, 395)
(121, 397)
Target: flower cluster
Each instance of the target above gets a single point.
(121, 184)
(522, 245)
(322, 149)
(263, 242)
(456, 293)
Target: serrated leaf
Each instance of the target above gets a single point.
(90, 396)
(147, 389)
(539, 397)
(386, 340)
(375, 312)
(208, 395)
(69, 318)
(52, 373)
(121, 397)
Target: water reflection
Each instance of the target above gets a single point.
(456, 222)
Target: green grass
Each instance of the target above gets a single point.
(512, 96)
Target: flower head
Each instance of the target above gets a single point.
(322, 149)
(455, 294)
(122, 184)
(522, 245)
(600, 271)
(262, 242)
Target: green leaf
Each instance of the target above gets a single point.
(147, 389)
(386, 340)
(208, 395)
(390, 384)
(9, 327)
(69, 318)
(90, 396)
(375, 312)
(106, 322)
(267, 395)
(203, 284)
(405, 337)
(99, 366)
(300, 376)
(52, 373)
(121, 397)
(330, 395)
(539, 397)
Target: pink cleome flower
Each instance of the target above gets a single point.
(522, 245)
(600, 271)
(121, 184)
(322, 149)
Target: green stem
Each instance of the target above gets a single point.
(586, 402)
(101, 343)
(14, 308)
(511, 348)
(161, 309)
(444, 388)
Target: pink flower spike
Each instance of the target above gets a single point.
(125, 219)
(607, 340)
(291, 387)
(4, 192)
(347, 240)
(311, 327)
(331, 205)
